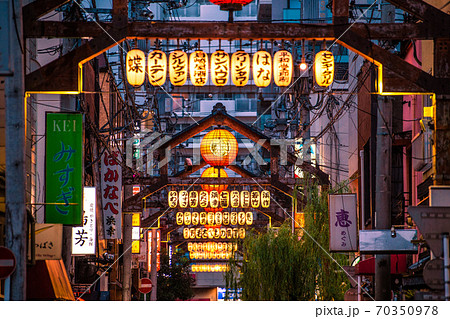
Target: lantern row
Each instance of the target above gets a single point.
(213, 233)
(214, 218)
(210, 268)
(263, 67)
(214, 199)
(210, 255)
(212, 246)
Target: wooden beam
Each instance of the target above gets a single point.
(39, 8)
(423, 11)
(340, 11)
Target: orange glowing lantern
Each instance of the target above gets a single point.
(240, 68)
(283, 67)
(219, 148)
(213, 172)
(135, 67)
(220, 68)
(178, 67)
(157, 67)
(198, 67)
(262, 68)
(324, 68)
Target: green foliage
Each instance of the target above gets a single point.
(174, 280)
(279, 265)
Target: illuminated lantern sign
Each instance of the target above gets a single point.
(210, 268)
(220, 68)
(135, 60)
(157, 67)
(218, 199)
(282, 68)
(178, 67)
(198, 65)
(213, 233)
(240, 68)
(211, 250)
(219, 148)
(324, 68)
(214, 218)
(262, 68)
(214, 173)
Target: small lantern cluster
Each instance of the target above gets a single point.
(198, 66)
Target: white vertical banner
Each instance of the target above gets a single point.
(83, 238)
(111, 181)
(343, 222)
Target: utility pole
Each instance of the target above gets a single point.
(127, 242)
(383, 194)
(15, 173)
(154, 268)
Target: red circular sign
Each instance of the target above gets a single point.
(7, 262)
(145, 285)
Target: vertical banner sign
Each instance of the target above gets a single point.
(83, 238)
(343, 222)
(111, 179)
(63, 168)
(149, 250)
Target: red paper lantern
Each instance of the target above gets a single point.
(231, 5)
(219, 148)
(214, 172)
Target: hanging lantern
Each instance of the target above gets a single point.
(265, 199)
(214, 199)
(187, 218)
(178, 67)
(224, 199)
(203, 218)
(235, 199)
(157, 67)
(173, 199)
(180, 218)
(283, 67)
(234, 5)
(233, 218)
(245, 199)
(198, 68)
(193, 199)
(214, 172)
(262, 68)
(255, 199)
(248, 218)
(240, 68)
(183, 198)
(226, 218)
(324, 68)
(135, 60)
(195, 218)
(220, 68)
(219, 148)
(203, 199)
(241, 218)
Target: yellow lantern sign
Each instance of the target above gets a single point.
(173, 199)
(233, 218)
(220, 68)
(183, 198)
(255, 199)
(195, 219)
(178, 67)
(240, 68)
(235, 199)
(226, 218)
(241, 218)
(203, 218)
(214, 199)
(218, 218)
(135, 60)
(249, 218)
(193, 199)
(265, 199)
(324, 68)
(157, 67)
(245, 199)
(262, 68)
(224, 199)
(198, 67)
(203, 199)
(283, 67)
(187, 218)
(180, 218)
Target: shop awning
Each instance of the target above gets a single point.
(367, 266)
(47, 280)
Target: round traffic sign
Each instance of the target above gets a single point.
(7, 262)
(145, 285)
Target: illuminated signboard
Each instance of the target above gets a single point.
(213, 233)
(214, 218)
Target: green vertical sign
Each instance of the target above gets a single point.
(63, 168)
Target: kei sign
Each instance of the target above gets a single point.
(343, 222)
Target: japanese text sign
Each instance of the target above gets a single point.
(343, 222)
(63, 168)
(83, 238)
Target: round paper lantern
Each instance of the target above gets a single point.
(198, 68)
(135, 60)
(178, 67)
(233, 5)
(219, 148)
(240, 68)
(324, 68)
(157, 67)
(213, 172)
(262, 68)
(283, 67)
(220, 68)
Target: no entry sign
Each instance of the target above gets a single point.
(7, 262)
(145, 285)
